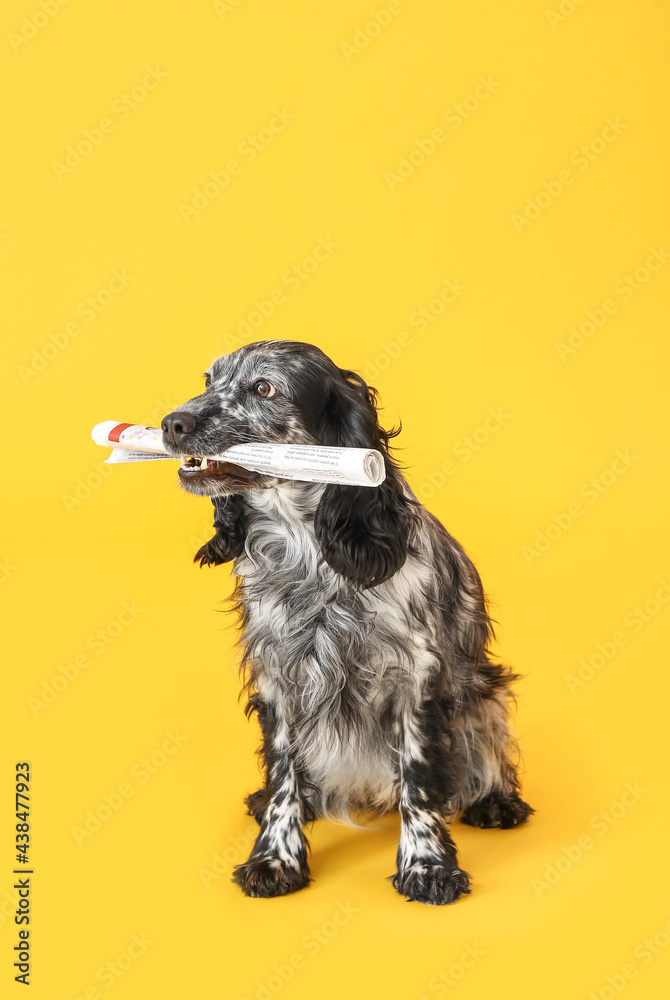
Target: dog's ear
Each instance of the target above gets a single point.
(363, 531)
(231, 530)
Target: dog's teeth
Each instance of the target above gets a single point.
(191, 463)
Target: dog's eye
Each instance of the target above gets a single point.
(264, 389)
(208, 379)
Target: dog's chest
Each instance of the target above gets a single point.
(340, 664)
(306, 623)
(300, 615)
(309, 627)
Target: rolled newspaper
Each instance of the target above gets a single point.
(307, 463)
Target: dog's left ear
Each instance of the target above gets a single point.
(363, 531)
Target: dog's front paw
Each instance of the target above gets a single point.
(431, 883)
(255, 803)
(208, 554)
(496, 810)
(268, 876)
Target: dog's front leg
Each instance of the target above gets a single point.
(427, 865)
(277, 864)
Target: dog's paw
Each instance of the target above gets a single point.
(208, 555)
(431, 883)
(267, 876)
(255, 805)
(500, 811)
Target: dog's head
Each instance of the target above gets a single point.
(290, 392)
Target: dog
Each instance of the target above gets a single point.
(364, 629)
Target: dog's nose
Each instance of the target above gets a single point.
(177, 425)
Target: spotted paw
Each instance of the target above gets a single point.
(502, 811)
(431, 883)
(267, 876)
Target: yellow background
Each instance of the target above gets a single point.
(69, 568)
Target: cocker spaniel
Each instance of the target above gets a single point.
(364, 629)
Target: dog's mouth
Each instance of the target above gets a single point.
(210, 472)
(193, 466)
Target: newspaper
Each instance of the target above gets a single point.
(307, 463)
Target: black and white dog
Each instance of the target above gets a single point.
(364, 629)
